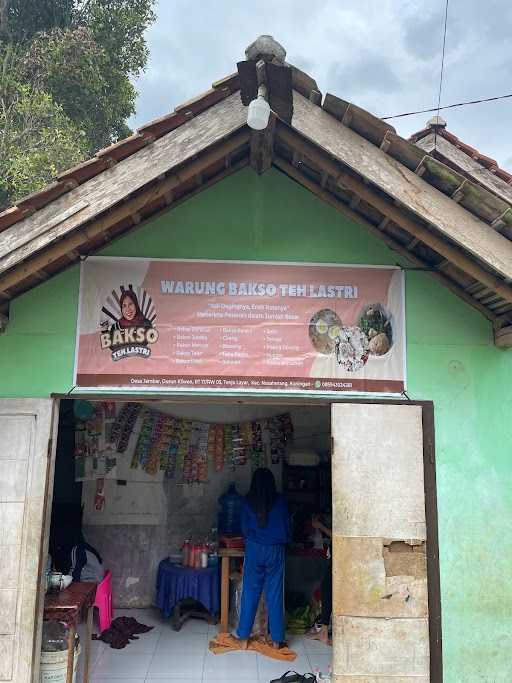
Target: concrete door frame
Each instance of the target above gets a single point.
(431, 519)
(429, 469)
(29, 455)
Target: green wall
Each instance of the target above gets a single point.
(451, 361)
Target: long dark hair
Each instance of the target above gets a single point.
(138, 320)
(262, 495)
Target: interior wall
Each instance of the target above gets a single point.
(132, 539)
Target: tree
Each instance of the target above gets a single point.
(76, 58)
(37, 139)
(79, 74)
(20, 20)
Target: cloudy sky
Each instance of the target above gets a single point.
(383, 55)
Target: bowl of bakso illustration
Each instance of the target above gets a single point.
(324, 329)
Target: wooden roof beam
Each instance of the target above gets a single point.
(262, 146)
(393, 244)
(324, 162)
(79, 237)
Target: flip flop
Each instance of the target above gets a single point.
(289, 677)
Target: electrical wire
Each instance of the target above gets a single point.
(448, 106)
(442, 71)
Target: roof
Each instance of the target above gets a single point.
(485, 161)
(441, 143)
(443, 218)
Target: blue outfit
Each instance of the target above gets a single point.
(264, 568)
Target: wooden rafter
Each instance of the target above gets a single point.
(345, 180)
(125, 211)
(393, 244)
(262, 147)
(106, 191)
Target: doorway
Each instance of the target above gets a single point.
(373, 420)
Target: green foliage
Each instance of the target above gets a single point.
(81, 77)
(118, 26)
(37, 139)
(20, 20)
(69, 88)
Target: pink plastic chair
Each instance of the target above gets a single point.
(103, 601)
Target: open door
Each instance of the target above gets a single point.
(27, 433)
(380, 591)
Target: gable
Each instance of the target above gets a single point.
(423, 210)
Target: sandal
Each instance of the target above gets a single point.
(294, 677)
(289, 677)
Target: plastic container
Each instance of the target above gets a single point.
(54, 666)
(230, 507)
(213, 560)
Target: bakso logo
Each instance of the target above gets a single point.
(129, 328)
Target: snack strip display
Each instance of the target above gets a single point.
(179, 447)
(258, 455)
(94, 457)
(124, 425)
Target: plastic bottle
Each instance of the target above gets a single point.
(230, 506)
(197, 557)
(192, 555)
(204, 556)
(213, 540)
(185, 554)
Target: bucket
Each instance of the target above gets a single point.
(54, 666)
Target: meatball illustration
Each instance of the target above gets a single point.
(324, 328)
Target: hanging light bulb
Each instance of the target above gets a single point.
(259, 112)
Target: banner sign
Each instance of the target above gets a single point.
(229, 325)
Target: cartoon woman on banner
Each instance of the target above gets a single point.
(133, 323)
(131, 315)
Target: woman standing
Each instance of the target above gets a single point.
(266, 529)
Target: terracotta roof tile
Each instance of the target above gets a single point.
(86, 170)
(123, 148)
(11, 216)
(50, 192)
(164, 124)
(207, 99)
(485, 161)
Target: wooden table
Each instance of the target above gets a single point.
(226, 554)
(67, 606)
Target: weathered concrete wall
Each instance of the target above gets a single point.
(380, 608)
